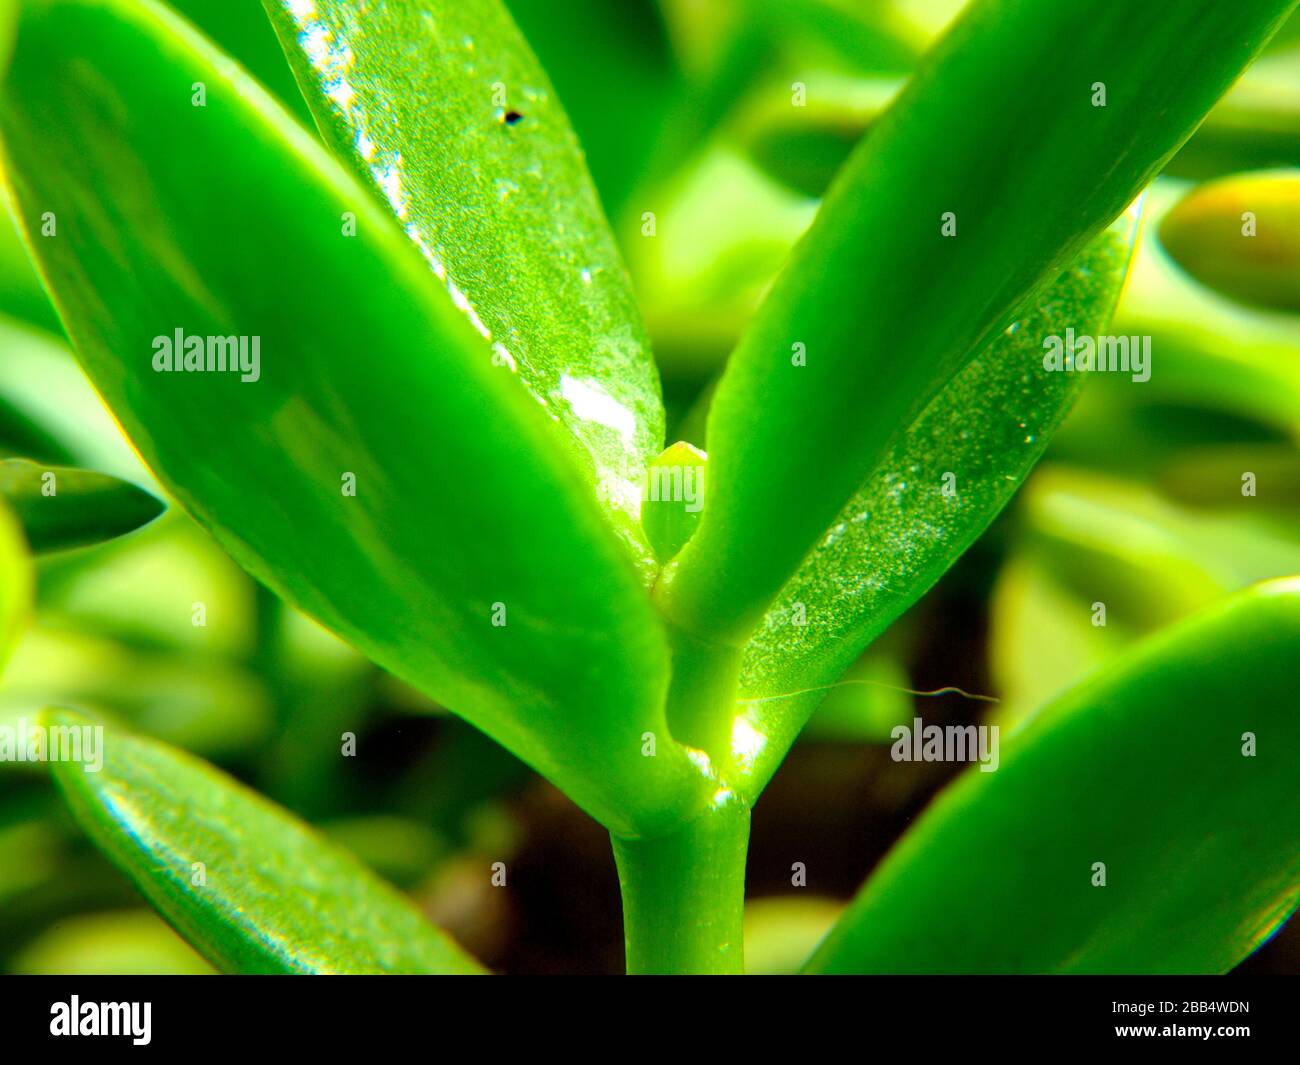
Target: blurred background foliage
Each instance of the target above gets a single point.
(685, 109)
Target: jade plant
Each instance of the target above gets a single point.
(395, 366)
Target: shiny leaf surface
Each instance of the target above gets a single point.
(187, 833)
(924, 248)
(60, 508)
(360, 474)
(1176, 770)
(489, 184)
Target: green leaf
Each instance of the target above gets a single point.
(877, 305)
(937, 489)
(997, 876)
(491, 187)
(17, 583)
(61, 507)
(362, 475)
(274, 896)
(1255, 261)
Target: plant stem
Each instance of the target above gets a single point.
(684, 894)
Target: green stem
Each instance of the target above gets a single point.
(684, 894)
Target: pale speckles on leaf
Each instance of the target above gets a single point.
(444, 110)
(893, 538)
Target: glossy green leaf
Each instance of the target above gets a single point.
(1241, 235)
(490, 186)
(936, 490)
(361, 474)
(1197, 733)
(303, 906)
(878, 305)
(61, 508)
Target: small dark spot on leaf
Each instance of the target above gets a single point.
(512, 118)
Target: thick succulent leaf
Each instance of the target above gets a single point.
(1241, 235)
(1175, 769)
(361, 474)
(61, 507)
(937, 489)
(878, 306)
(16, 582)
(253, 889)
(441, 106)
